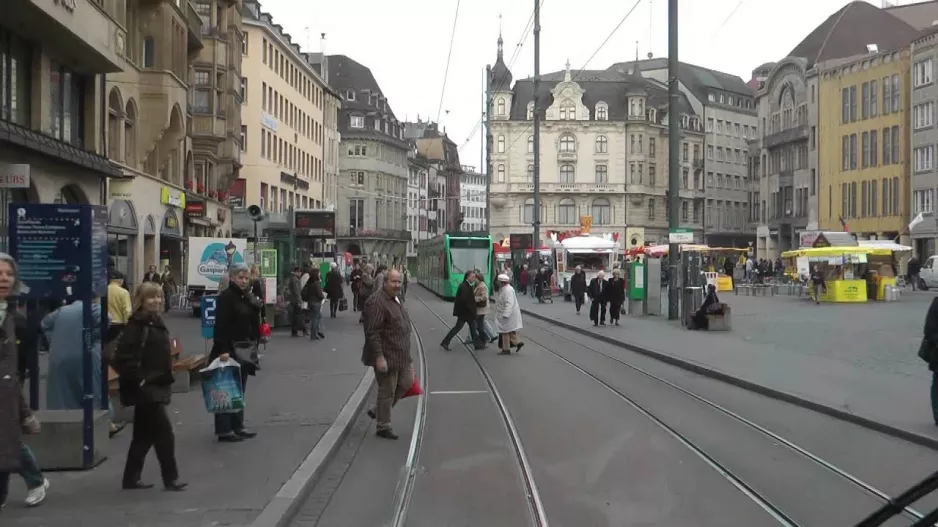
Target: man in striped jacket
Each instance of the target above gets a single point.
(387, 349)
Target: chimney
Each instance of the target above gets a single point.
(324, 68)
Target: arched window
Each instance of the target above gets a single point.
(531, 111)
(501, 173)
(501, 106)
(602, 145)
(601, 211)
(527, 211)
(602, 111)
(567, 174)
(530, 144)
(501, 144)
(685, 121)
(530, 174)
(566, 212)
(653, 115)
(567, 143)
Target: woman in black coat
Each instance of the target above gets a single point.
(145, 366)
(237, 332)
(615, 294)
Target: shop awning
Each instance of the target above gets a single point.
(884, 244)
(822, 252)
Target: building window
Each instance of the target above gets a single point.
(865, 109)
(529, 175)
(602, 112)
(602, 174)
(530, 144)
(66, 104)
(350, 96)
(244, 138)
(922, 73)
(895, 93)
(567, 143)
(357, 121)
(873, 197)
(527, 211)
(530, 114)
(567, 174)
(501, 144)
(651, 208)
(356, 215)
(874, 97)
(501, 106)
(244, 90)
(15, 85)
(244, 44)
(566, 212)
(602, 145)
(501, 173)
(149, 52)
(924, 158)
(923, 115)
(601, 211)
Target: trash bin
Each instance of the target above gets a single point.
(693, 299)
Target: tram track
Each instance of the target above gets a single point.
(535, 505)
(774, 511)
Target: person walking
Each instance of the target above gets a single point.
(169, 288)
(507, 316)
(145, 366)
(355, 280)
(152, 275)
(118, 305)
(237, 333)
(334, 289)
(481, 294)
(578, 288)
(16, 418)
(465, 310)
(313, 295)
(365, 287)
(387, 350)
(615, 295)
(597, 292)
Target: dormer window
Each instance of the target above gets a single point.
(530, 116)
(500, 106)
(350, 95)
(653, 115)
(685, 121)
(357, 121)
(602, 111)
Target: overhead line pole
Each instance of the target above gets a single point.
(674, 145)
(535, 241)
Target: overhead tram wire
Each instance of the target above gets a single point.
(574, 77)
(716, 32)
(511, 62)
(449, 56)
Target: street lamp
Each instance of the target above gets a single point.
(256, 215)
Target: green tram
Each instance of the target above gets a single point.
(443, 261)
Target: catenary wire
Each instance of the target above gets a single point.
(449, 56)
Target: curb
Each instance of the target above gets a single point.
(280, 510)
(706, 371)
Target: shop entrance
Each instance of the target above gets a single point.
(171, 245)
(122, 233)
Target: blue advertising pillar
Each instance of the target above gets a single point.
(62, 255)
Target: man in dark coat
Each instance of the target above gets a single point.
(578, 288)
(598, 294)
(465, 311)
(334, 289)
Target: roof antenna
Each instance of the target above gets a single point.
(636, 51)
(650, 26)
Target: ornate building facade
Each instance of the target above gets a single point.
(603, 153)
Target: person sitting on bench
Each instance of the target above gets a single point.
(710, 306)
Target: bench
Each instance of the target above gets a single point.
(719, 322)
(184, 367)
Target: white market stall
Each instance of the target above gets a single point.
(591, 253)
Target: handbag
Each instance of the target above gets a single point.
(343, 304)
(222, 392)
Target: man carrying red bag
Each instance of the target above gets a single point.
(387, 349)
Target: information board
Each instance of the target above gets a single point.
(61, 249)
(208, 316)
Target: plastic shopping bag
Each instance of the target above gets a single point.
(415, 389)
(221, 387)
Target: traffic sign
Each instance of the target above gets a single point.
(208, 303)
(681, 235)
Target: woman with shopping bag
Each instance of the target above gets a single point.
(145, 365)
(237, 332)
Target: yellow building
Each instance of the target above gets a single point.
(863, 140)
(282, 125)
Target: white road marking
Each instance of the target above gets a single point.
(459, 392)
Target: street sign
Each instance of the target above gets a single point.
(62, 255)
(208, 316)
(681, 235)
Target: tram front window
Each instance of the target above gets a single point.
(464, 259)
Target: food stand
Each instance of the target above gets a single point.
(839, 266)
(591, 253)
(883, 261)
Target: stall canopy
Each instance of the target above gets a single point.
(834, 239)
(830, 252)
(884, 244)
(588, 244)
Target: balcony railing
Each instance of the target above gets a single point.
(388, 234)
(786, 136)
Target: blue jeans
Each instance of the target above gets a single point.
(29, 470)
(934, 396)
(315, 319)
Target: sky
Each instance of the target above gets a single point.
(406, 43)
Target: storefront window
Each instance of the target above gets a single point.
(15, 58)
(118, 250)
